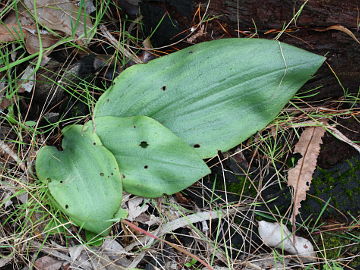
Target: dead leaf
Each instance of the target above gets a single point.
(57, 15)
(10, 32)
(19, 17)
(47, 263)
(4, 261)
(32, 42)
(27, 80)
(136, 206)
(23, 27)
(62, 16)
(300, 176)
(75, 252)
(339, 28)
(4, 103)
(337, 134)
(267, 261)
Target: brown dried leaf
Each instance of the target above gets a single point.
(300, 176)
(62, 16)
(4, 103)
(342, 29)
(27, 31)
(48, 263)
(10, 32)
(32, 43)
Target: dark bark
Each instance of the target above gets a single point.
(342, 52)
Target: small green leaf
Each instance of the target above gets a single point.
(151, 158)
(215, 94)
(83, 179)
(30, 123)
(94, 239)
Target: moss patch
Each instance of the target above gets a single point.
(337, 245)
(340, 185)
(241, 186)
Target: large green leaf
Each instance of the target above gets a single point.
(152, 159)
(214, 94)
(83, 179)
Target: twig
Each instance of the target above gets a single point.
(174, 225)
(182, 250)
(6, 149)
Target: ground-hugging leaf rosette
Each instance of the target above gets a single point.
(83, 179)
(152, 129)
(214, 94)
(153, 161)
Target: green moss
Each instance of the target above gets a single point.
(243, 187)
(340, 184)
(339, 245)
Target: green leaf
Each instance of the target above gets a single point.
(83, 179)
(152, 159)
(214, 94)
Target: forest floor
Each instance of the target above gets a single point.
(52, 73)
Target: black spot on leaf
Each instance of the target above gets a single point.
(144, 144)
(163, 88)
(66, 206)
(197, 145)
(101, 174)
(146, 166)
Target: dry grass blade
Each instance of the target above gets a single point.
(117, 44)
(342, 29)
(343, 138)
(300, 176)
(149, 239)
(182, 250)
